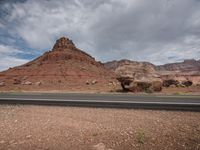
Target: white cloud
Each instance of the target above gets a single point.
(1, 25)
(5, 49)
(41, 23)
(159, 31)
(8, 57)
(10, 61)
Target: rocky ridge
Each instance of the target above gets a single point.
(190, 65)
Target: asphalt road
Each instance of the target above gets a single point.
(191, 103)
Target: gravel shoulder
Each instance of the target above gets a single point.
(51, 127)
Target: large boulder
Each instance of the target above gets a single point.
(131, 85)
(125, 82)
(139, 86)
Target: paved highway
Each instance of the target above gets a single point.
(191, 103)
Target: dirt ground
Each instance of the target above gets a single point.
(192, 90)
(53, 127)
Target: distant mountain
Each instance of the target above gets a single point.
(65, 67)
(145, 71)
(113, 65)
(188, 65)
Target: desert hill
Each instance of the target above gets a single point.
(65, 67)
(190, 65)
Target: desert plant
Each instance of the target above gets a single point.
(167, 83)
(141, 136)
(149, 90)
(187, 83)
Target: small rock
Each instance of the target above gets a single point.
(28, 136)
(83, 68)
(87, 82)
(110, 84)
(2, 83)
(2, 142)
(99, 146)
(27, 83)
(12, 141)
(24, 78)
(130, 132)
(172, 86)
(94, 81)
(16, 81)
(38, 83)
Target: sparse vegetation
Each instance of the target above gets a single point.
(187, 83)
(168, 83)
(141, 136)
(128, 84)
(94, 134)
(148, 91)
(179, 93)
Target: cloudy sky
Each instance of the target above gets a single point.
(159, 31)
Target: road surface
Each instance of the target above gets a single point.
(191, 103)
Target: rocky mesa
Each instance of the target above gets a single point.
(64, 68)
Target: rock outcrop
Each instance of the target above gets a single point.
(189, 70)
(128, 84)
(137, 76)
(139, 71)
(65, 67)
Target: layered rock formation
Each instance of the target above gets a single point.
(65, 68)
(138, 70)
(183, 71)
(191, 66)
(141, 76)
(136, 76)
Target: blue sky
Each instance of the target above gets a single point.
(158, 31)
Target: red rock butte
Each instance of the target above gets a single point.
(65, 68)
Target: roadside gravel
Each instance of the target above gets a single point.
(51, 127)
